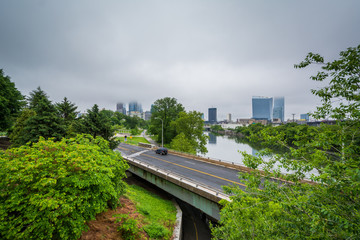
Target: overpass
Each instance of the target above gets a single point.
(195, 180)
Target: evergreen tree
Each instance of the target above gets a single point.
(44, 123)
(67, 111)
(96, 124)
(11, 102)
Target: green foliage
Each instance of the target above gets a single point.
(181, 143)
(329, 208)
(344, 84)
(11, 102)
(18, 135)
(159, 214)
(167, 109)
(157, 231)
(50, 189)
(189, 127)
(44, 123)
(216, 128)
(135, 131)
(135, 140)
(128, 228)
(67, 111)
(96, 123)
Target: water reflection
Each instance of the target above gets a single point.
(228, 149)
(225, 148)
(212, 138)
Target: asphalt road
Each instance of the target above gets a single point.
(198, 171)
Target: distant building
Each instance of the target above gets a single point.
(212, 116)
(305, 117)
(247, 121)
(147, 115)
(229, 118)
(120, 107)
(279, 108)
(262, 108)
(135, 109)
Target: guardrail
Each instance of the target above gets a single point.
(182, 179)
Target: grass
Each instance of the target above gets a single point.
(159, 214)
(134, 140)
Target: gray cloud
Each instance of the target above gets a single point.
(204, 53)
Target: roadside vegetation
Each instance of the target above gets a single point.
(133, 140)
(327, 209)
(159, 215)
(182, 131)
(51, 188)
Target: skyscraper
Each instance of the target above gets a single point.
(279, 108)
(262, 108)
(212, 115)
(120, 107)
(135, 109)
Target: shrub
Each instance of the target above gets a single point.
(128, 227)
(50, 189)
(156, 231)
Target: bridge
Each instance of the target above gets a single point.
(195, 180)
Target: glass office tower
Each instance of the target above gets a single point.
(279, 108)
(212, 115)
(262, 108)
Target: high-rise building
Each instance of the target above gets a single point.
(212, 115)
(120, 107)
(135, 109)
(262, 108)
(279, 108)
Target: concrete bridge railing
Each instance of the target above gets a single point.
(196, 194)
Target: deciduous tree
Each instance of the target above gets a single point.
(329, 208)
(50, 189)
(167, 109)
(191, 126)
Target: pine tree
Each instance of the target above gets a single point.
(45, 122)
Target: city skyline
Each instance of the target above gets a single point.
(217, 53)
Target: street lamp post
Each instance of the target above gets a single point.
(162, 131)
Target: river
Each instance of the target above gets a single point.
(227, 149)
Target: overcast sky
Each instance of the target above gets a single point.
(203, 53)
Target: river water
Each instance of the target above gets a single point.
(227, 149)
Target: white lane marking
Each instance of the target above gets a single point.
(138, 153)
(190, 162)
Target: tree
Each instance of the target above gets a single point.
(44, 123)
(167, 109)
(67, 111)
(327, 208)
(190, 126)
(18, 135)
(50, 189)
(11, 102)
(96, 124)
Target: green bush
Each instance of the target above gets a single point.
(156, 231)
(50, 189)
(128, 227)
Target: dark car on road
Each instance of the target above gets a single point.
(162, 151)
